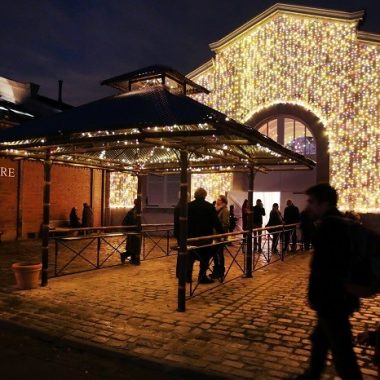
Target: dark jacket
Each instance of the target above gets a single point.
(275, 219)
(202, 220)
(258, 213)
(87, 217)
(74, 219)
(307, 224)
(329, 268)
(130, 218)
(291, 214)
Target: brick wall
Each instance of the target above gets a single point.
(8, 201)
(70, 187)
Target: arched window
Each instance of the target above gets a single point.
(291, 133)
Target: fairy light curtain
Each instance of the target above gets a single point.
(317, 63)
(123, 190)
(214, 183)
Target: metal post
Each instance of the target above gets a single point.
(248, 261)
(139, 212)
(46, 219)
(182, 253)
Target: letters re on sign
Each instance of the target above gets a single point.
(7, 172)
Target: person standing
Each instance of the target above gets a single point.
(87, 216)
(133, 239)
(275, 219)
(233, 219)
(74, 218)
(327, 294)
(224, 218)
(307, 228)
(258, 213)
(291, 216)
(202, 221)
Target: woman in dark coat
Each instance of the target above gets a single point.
(74, 218)
(275, 219)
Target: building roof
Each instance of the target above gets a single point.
(123, 82)
(292, 9)
(144, 131)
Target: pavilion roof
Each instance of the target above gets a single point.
(144, 131)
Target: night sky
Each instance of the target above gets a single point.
(86, 41)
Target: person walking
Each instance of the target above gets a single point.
(233, 219)
(87, 216)
(224, 218)
(327, 294)
(291, 216)
(258, 213)
(202, 221)
(133, 245)
(275, 219)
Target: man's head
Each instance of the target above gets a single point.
(275, 206)
(289, 202)
(85, 204)
(321, 199)
(259, 203)
(200, 193)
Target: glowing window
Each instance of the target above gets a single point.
(123, 190)
(214, 183)
(291, 133)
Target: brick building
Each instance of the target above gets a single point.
(21, 181)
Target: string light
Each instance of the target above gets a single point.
(123, 190)
(319, 64)
(214, 183)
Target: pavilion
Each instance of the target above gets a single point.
(151, 126)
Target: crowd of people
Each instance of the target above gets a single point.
(324, 228)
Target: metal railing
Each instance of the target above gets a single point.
(98, 247)
(235, 251)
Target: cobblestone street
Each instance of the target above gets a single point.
(248, 328)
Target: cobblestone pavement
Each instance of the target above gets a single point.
(248, 328)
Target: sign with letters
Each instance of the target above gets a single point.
(7, 172)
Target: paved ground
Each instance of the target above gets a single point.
(249, 328)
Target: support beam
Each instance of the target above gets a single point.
(139, 212)
(248, 261)
(46, 219)
(182, 252)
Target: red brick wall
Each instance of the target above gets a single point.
(8, 201)
(97, 197)
(32, 197)
(70, 187)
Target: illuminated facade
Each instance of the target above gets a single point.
(318, 60)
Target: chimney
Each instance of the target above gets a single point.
(60, 82)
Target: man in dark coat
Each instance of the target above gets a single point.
(327, 294)
(202, 220)
(87, 216)
(258, 213)
(133, 247)
(291, 216)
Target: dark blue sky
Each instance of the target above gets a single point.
(85, 41)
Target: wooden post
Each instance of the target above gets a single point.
(139, 211)
(248, 261)
(46, 219)
(20, 192)
(182, 252)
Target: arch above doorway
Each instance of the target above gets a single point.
(308, 118)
